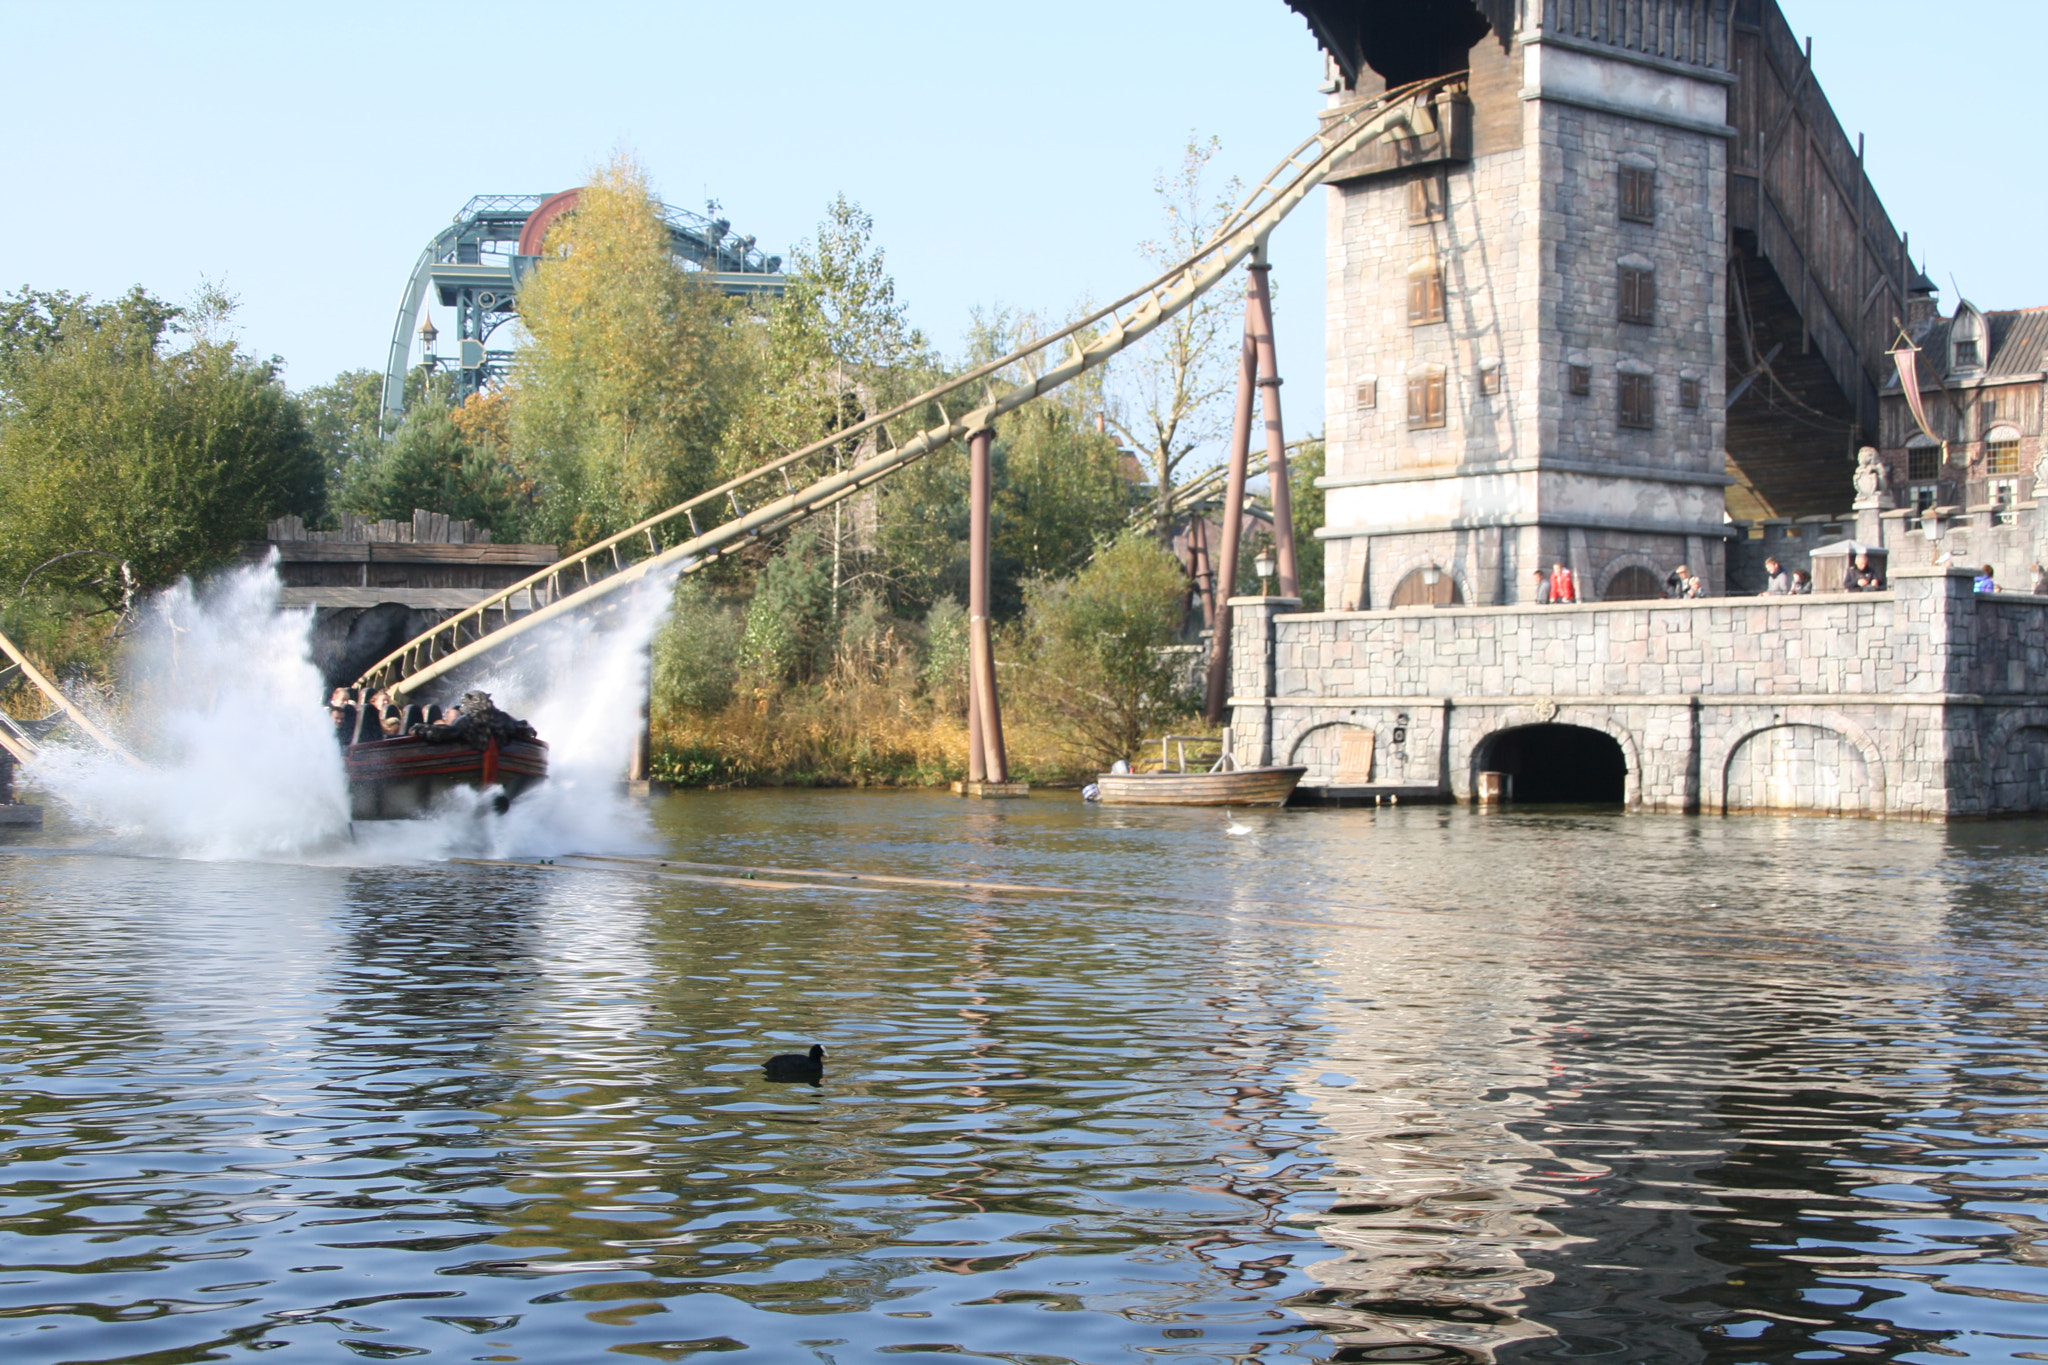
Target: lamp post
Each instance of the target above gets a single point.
(1263, 566)
(428, 334)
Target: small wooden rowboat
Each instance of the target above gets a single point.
(401, 777)
(1225, 784)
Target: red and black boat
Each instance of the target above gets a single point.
(402, 776)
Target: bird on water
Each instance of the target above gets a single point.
(796, 1066)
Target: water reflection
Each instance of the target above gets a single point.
(1418, 1086)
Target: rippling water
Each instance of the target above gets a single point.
(1415, 1085)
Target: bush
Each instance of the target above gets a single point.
(945, 655)
(1092, 651)
(697, 652)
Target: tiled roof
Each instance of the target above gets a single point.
(2019, 346)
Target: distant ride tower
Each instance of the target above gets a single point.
(479, 261)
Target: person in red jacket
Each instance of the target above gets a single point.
(1562, 587)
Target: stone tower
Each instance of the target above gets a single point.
(1528, 302)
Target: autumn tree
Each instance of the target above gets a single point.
(624, 390)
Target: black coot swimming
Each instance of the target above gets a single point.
(796, 1066)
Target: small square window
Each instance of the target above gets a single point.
(1923, 463)
(1426, 399)
(1921, 497)
(2002, 457)
(1638, 194)
(1580, 380)
(1369, 393)
(1489, 380)
(1688, 393)
(1966, 355)
(1634, 410)
(1638, 294)
(2005, 492)
(1426, 198)
(1425, 297)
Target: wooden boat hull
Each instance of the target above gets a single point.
(400, 778)
(1239, 787)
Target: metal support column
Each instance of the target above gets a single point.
(1217, 699)
(981, 652)
(1276, 440)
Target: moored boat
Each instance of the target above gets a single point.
(1172, 784)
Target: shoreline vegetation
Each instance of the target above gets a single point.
(140, 444)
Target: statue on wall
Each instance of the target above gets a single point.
(1873, 483)
(2041, 474)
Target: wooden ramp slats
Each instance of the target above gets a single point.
(23, 748)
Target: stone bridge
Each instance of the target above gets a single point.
(1927, 700)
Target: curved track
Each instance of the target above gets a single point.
(772, 497)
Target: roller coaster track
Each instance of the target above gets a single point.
(771, 498)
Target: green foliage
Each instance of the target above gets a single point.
(116, 448)
(345, 417)
(790, 616)
(1091, 648)
(696, 652)
(945, 654)
(622, 396)
(1304, 467)
(1061, 493)
(438, 461)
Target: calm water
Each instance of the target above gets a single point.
(1416, 1085)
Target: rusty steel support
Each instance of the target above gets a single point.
(986, 737)
(1217, 699)
(1289, 584)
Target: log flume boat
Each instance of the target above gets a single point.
(1171, 784)
(402, 776)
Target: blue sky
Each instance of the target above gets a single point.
(302, 154)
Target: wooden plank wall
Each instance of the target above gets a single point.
(1797, 188)
(1676, 30)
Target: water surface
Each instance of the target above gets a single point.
(1407, 1085)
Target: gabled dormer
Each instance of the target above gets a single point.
(1968, 341)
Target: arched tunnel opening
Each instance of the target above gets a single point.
(1551, 765)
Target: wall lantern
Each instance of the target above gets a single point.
(1432, 574)
(1263, 566)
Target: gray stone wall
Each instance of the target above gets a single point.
(1928, 700)
(1530, 246)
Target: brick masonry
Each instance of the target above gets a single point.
(1926, 701)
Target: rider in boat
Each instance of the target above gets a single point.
(476, 723)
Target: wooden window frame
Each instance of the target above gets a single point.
(1427, 196)
(1578, 381)
(1637, 303)
(1368, 393)
(1638, 194)
(1490, 380)
(1428, 409)
(1635, 401)
(1688, 393)
(1425, 297)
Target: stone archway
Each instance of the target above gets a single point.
(1801, 765)
(1557, 763)
(1412, 591)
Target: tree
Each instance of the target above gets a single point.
(345, 418)
(1092, 648)
(1172, 395)
(444, 459)
(117, 449)
(622, 395)
(836, 349)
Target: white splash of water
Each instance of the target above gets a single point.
(224, 705)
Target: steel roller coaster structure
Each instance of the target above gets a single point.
(788, 490)
(477, 264)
